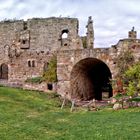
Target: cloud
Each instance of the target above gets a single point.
(112, 19)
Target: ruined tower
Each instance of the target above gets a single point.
(90, 33)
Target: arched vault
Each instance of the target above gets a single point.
(89, 78)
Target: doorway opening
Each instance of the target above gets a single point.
(90, 77)
(4, 71)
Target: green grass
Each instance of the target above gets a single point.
(30, 115)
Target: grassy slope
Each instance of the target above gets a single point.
(27, 115)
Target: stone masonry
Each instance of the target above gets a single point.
(27, 46)
(34, 41)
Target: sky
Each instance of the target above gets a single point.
(112, 19)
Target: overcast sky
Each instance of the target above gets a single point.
(112, 18)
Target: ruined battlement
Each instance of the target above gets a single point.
(62, 20)
(53, 19)
(38, 33)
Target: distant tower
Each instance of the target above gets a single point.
(132, 34)
(90, 33)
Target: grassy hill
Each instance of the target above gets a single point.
(30, 115)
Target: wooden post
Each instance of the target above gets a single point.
(72, 105)
(94, 103)
(63, 102)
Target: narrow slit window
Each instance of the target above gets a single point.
(33, 63)
(29, 63)
(23, 41)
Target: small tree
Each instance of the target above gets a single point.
(132, 79)
(124, 61)
(131, 90)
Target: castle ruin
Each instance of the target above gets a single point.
(26, 48)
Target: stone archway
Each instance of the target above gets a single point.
(4, 71)
(89, 77)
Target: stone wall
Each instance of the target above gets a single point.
(26, 46)
(7, 36)
(66, 60)
(27, 65)
(34, 41)
(39, 87)
(46, 34)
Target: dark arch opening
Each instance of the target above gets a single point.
(50, 86)
(89, 78)
(4, 71)
(64, 34)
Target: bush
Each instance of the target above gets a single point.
(50, 74)
(131, 90)
(137, 99)
(124, 61)
(34, 80)
(132, 76)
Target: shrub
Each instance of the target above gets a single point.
(131, 90)
(50, 74)
(137, 99)
(124, 61)
(34, 80)
(132, 78)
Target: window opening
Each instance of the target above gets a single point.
(50, 86)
